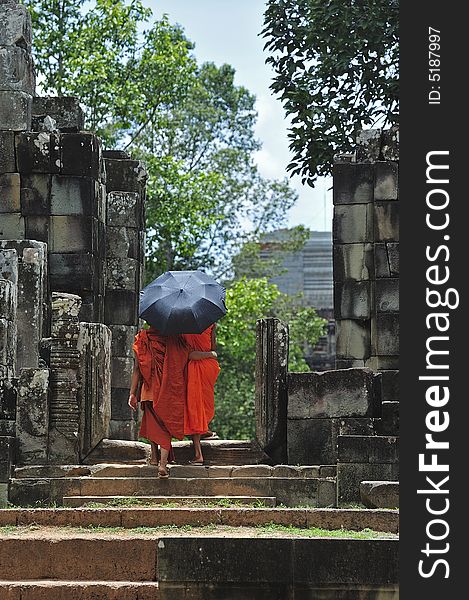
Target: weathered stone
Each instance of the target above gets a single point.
(390, 418)
(65, 307)
(387, 332)
(123, 430)
(327, 470)
(9, 264)
(8, 391)
(7, 151)
(393, 258)
(122, 274)
(7, 456)
(382, 363)
(271, 389)
(386, 221)
(73, 272)
(7, 343)
(75, 196)
(350, 475)
(353, 339)
(15, 110)
(12, 226)
(123, 336)
(121, 307)
(81, 154)
(119, 451)
(123, 209)
(353, 183)
(327, 493)
(73, 233)
(352, 223)
(9, 193)
(380, 494)
(32, 414)
(35, 194)
(121, 371)
(252, 471)
(32, 267)
(8, 300)
(7, 426)
(357, 426)
(353, 261)
(352, 300)
(368, 449)
(386, 181)
(311, 441)
(349, 363)
(16, 70)
(15, 25)
(125, 176)
(390, 385)
(387, 295)
(286, 471)
(377, 144)
(341, 393)
(120, 410)
(382, 268)
(123, 242)
(65, 111)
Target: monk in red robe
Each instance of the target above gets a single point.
(202, 373)
(160, 368)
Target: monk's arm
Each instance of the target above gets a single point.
(196, 355)
(214, 338)
(134, 383)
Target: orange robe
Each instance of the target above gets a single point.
(201, 378)
(162, 361)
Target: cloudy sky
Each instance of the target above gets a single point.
(226, 31)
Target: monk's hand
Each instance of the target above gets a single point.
(133, 403)
(214, 354)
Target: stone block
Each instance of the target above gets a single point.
(327, 471)
(393, 258)
(375, 144)
(353, 339)
(16, 70)
(65, 111)
(352, 300)
(81, 154)
(123, 430)
(311, 441)
(382, 363)
(124, 175)
(353, 261)
(7, 152)
(356, 426)
(73, 233)
(390, 418)
(121, 307)
(350, 476)
(352, 224)
(37, 152)
(73, 273)
(15, 110)
(8, 264)
(75, 196)
(7, 343)
(8, 300)
(368, 449)
(15, 26)
(353, 183)
(8, 390)
(122, 242)
(387, 295)
(252, 471)
(37, 228)
(390, 385)
(121, 274)
(12, 226)
(328, 394)
(327, 493)
(387, 334)
(120, 410)
(7, 457)
(32, 416)
(382, 267)
(7, 427)
(349, 364)
(380, 494)
(121, 371)
(123, 209)
(386, 181)
(10, 193)
(123, 336)
(386, 221)
(35, 194)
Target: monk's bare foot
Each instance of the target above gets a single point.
(162, 472)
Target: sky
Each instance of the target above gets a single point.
(226, 31)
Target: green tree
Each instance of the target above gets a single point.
(248, 300)
(336, 71)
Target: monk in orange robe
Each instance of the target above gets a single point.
(202, 373)
(160, 368)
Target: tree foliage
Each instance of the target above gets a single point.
(336, 71)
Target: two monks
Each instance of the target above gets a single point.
(176, 377)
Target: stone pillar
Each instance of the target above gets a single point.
(8, 300)
(125, 248)
(271, 388)
(32, 416)
(17, 79)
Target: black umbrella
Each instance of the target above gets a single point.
(182, 302)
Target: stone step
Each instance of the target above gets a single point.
(219, 452)
(324, 518)
(288, 491)
(79, 590)
(191, 471)
(76, 501)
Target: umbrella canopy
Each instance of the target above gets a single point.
(182, 302)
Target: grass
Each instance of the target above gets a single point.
(215, 503)
(364, 534)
